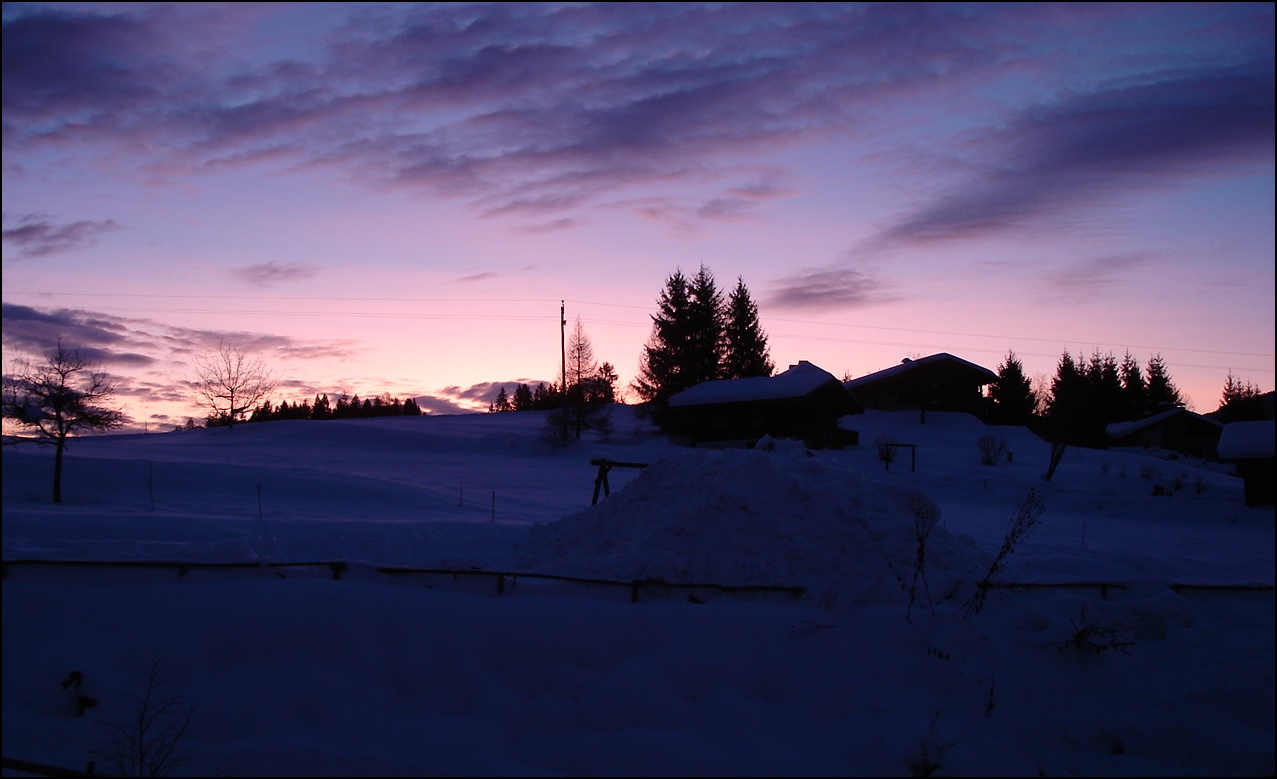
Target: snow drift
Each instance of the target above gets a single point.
(774, 515)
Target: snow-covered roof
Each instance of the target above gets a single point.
(799, 381)
(1246, 440)
(1122, 429)
(910, 365)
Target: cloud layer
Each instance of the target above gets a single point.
(538, 110)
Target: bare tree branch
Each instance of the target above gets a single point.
(230, 384)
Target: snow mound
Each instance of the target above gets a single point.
(775, 515)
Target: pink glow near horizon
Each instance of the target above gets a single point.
(399, 204)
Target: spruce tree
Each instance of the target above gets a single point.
(1240, 402)
(1072, 416)
(1162, 392)
(745, 351)
(704, 324)
(502, 403)
(662, 367)
(522, 398)
(1105, 388)
(1012, 394)
(1134, 390)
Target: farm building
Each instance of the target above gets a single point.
(804, 402)
(1177, 429)
(939, 382)
(1250, 446)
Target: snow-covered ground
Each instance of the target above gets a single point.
(879, 667)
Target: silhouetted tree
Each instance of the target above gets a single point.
(502, 403)
(230, 383)
(580, 356)
(704, 323)
(745, 351)
(662, 367)
(1072, 415)
(1105, 395)
(59, 398)
(1013, 401)
(545, 397)
(590, 388)
(1240, 402)
(1134, 390)
(522, 398)
(1162, 392)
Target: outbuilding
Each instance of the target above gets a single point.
(938, 382)
(1176, 429)
(804, 402)
(1249, 445)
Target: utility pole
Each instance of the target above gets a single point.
(563, 358)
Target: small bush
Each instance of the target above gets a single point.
(1090, 637)
(886, 452)
(1177, 481)
(1149, 472)
(1022, 522)
(991, 448)
(1199, 485)
(925, 517)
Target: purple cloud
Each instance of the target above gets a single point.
(538, 110)
(36, 236)
(266, 274)
(1090, 149)
(829, 289)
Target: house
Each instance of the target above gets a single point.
(1250, 446)
(805, 402)
(1177, 429)
(939, 382)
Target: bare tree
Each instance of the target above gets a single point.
(230, 384)
(61, 397)
(146, 742)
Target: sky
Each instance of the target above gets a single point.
(292, 673)
(401, 198)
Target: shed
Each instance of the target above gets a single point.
(804, 402)
(1177, 429)
(1250, 446)
(939, 382)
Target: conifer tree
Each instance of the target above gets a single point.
(662, 370)
(502, 403)
(1072, 417)
(704, 324)
(745, 351)
(1162, 392)
(1012, 394)
(1105, 394)
(522, 398)
(580, 357)
(1134, 390)
(1240, 402)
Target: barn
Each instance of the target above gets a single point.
(804, 402)
(1176, 429)
(939, 382)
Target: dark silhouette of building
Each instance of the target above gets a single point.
(939, 382)
(804, 402)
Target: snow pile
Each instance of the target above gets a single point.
(776, 515)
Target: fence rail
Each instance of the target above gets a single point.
(506, 580)
(40, 769)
